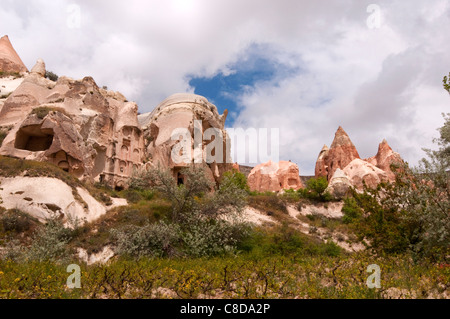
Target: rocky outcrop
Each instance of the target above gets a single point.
(88, 131)
(322, 162)
(273, 177)
(341, 152)
(386, 157)
(10, 61)
(339, 185)
(39, 68)
(186, 129)
(44, 197)
(361, 172)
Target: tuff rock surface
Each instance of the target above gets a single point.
(195, 120)
(341, 165)
(339, 184)
(386, 157)
(341, 152)
(10, 61)
(361, 172)
(274, 177)
(88, 131)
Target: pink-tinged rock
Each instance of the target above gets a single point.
(274, 177)
(90, 132)
(385, 158)
(321, 163)
(191, 116)
(359, 171)
(39, 68)
(339, 184)
(340, 154)
(10, 61)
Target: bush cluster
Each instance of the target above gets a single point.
(316, 190)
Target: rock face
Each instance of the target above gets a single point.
(341, 153)
(43, 197)
(385, 158)
(359, 171)
(10, 61)
(322, 162)
(194, 119)
(85, 130)
(273, 177)
(39, 68)
(339, 184)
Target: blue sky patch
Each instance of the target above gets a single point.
(223, 90)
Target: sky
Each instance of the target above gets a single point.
(302, 67)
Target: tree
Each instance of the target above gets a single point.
(316, 189)
(446, 82)
(414, 213)
(204, 221)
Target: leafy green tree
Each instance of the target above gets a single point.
(205, 218)
(414, 213)
(316, 189)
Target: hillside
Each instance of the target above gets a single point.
(147, 209)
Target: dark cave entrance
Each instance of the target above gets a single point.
(33, 138)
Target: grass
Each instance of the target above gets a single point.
(3, 134)
(276, 262)
(271, 204)
(12, 167)
(5, 96)
(42, 111)
(15, 75)
(230, 277)
(93, 237)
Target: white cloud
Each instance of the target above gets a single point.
(376, 83)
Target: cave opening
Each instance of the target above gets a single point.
(33, 138)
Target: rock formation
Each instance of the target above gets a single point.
(273, 177)
(88, 131)
(10, 61)
(322, 162)
(360, 172)
(194, 119)
(341, 153)
(339, 184)
(43, 197)
(385, 158)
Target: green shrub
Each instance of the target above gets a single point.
(151, 240)
(316, 190)
(237, 178)
(132, 196)
(42, 111)
(3, 134)
(16, 221)
(51, 76)
(352, 211)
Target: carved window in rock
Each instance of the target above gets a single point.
(126, 131)
(64, 165)
(124, 152)
(123, 167)
(136, 154)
